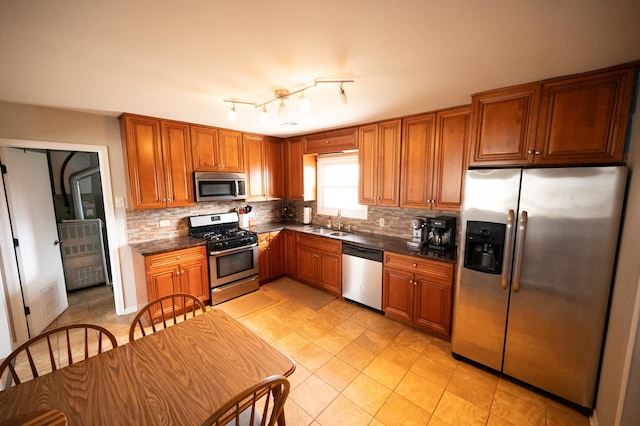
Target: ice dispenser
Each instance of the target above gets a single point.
(484, 246)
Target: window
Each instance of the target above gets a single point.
(338, 176)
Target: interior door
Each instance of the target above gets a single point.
(33, 224)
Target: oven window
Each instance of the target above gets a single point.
(217, 188)
(234, 263)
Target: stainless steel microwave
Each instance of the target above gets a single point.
(213, 186)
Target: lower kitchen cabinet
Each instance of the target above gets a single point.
(270, 255)
(319, 262)
(418, 292)
(180, 271)
(289, 253)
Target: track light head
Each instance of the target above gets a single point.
(233, 115)
(343, 95)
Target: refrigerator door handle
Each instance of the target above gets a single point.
(508, 249)
(522, 230)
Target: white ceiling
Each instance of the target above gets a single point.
(180, 59)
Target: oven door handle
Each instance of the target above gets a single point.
(234, 250)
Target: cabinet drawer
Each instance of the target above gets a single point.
(440, 271)
(193, 253)
(320, 243)
(332, 141)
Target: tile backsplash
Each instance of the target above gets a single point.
(144, 225)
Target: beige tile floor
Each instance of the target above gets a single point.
(356, 367)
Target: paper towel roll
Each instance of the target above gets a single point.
(307, 215)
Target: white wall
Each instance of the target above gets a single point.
(26, 122)
(621, 346)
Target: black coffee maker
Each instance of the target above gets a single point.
(441, 232)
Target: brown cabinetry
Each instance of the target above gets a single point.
(270, 255)
(319, 262)
(217, 150)
(433, 159)
(289, 253)
(264, 167)
(379, 160)
(158, 157)
(300, 181)
(572, 120)
(583, 120)
(418, 292)
(331, 141)
(180, 271)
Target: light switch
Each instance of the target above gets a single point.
(120, 203)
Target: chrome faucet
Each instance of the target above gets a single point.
(339, 219)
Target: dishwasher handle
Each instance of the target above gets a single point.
(363, 252)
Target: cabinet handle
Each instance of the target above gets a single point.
(535, 152)
(415, 265)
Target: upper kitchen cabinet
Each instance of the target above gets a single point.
(434, 159)
(450, 157)
(331, 141)
(503, 126)
(217, 150)
(300, 182)
(159, 166)
(264, 164)
(583, 120)
(572, 120)
(416, 170)
(379, 159)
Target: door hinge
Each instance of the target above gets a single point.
(27, 311)
(16, 243)
(3, 169)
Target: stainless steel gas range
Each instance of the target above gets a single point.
(233, 254)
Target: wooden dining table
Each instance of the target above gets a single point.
(177, 376)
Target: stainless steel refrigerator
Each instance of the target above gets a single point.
(533, 281)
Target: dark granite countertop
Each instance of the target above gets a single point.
(164, 245)
(381, 242)
(377, 241)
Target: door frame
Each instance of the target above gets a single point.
(8, 263)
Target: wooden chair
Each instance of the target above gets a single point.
(54, 349)
(269, 394)
(164, 312)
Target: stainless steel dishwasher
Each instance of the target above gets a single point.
(362, 275)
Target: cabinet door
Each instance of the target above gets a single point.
(450, 155)
(389, 163)
(368, 161)
(276, 260)
(432, 308)
(178, 170)
(503, 126)
(331, 141)
(230, 152)
(300, 180)
(417, 161)
(330, 272)
(289, 252)
(255, 166)
(162, 281)
(274, 172)
(143, 149)
(194, 279)
(583, 120)
(306, 264)
(263, 257)
(204, 145)
(397, 294)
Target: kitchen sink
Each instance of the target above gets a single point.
(323, 231)
(340, 233)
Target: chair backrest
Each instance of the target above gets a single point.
(260, 404)
(164, 312)
(54, 349)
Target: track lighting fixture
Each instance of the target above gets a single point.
(282, 94)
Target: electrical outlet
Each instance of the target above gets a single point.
(381, 221)
(165, 222)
